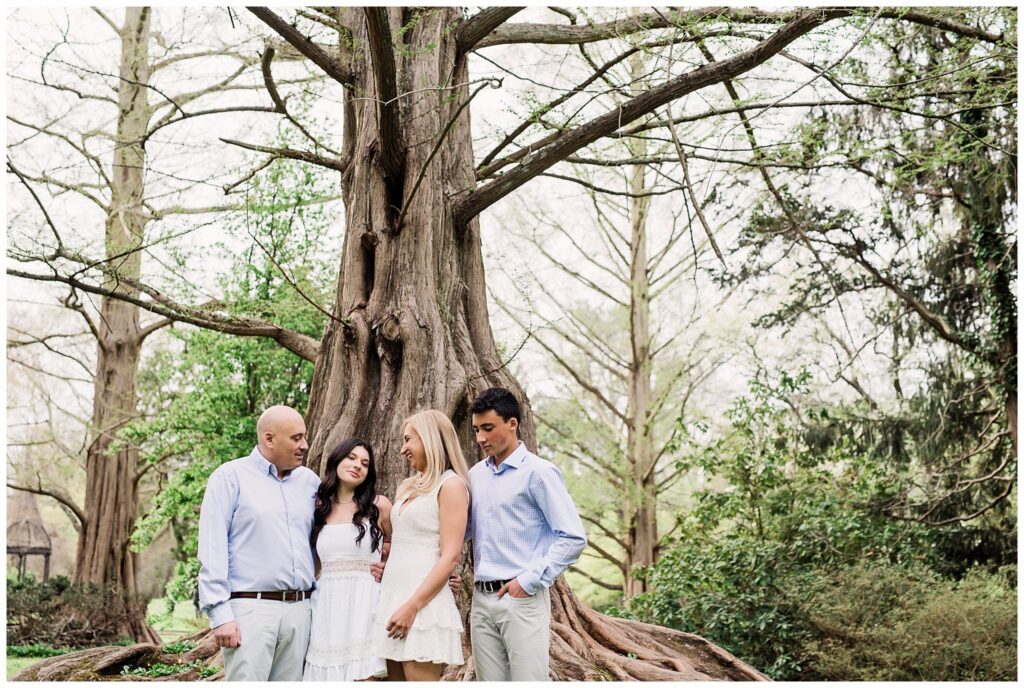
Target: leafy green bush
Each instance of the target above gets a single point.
(787, 508)
(873, 622)
(790, 568)
(59, 614)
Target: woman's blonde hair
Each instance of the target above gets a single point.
(441, 446)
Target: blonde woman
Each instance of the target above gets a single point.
(418, 627)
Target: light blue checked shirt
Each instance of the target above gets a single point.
(254, 533)
(523, 522)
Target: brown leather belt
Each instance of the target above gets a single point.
(277, 595)
(490, 586)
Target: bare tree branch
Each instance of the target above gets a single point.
(46, 215)
(572, 140)
(63, 354)
(559, 34)
(279, 102)
(480, 24)
(611, 475)
(609, 586)
(335, 69)
(301, 345)
(607, 555)
(693, 194)
(291, 281)
(604, 529)
(339, 164)
(935, 321)
(167, 121)
(153, 327)
(108, 20)
(45, 179)
(58, 495)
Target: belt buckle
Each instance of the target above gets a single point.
(294, 596)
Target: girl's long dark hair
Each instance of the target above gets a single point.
(363, 498)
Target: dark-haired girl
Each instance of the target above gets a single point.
(350, 524)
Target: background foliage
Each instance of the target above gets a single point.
(206, 393)
(787, 560)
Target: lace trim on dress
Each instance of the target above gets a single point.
(319, 655)
(361, 565)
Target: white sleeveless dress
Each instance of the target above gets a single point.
(344, 606)
(436, 633)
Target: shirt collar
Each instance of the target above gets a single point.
(515, 459)
(262, 464)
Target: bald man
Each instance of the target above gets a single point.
(256, 565)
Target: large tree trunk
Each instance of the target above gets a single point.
(111, 489)
(411, 328)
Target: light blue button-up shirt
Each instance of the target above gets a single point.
(523, 522)
(254, 533)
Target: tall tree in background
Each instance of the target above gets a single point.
(631, 362)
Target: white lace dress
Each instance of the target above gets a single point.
(344, 606)
(436, 633)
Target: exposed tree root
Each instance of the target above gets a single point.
(585, 646)
(589, 646)
(107, 663)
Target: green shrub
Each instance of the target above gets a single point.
(874, 622)
(208, 671)
(160, 669)
(179, 647)
(35, 650)
(60, 614)
(790, 519)
(727, 591)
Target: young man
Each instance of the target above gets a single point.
(525, 531)
(256, 564)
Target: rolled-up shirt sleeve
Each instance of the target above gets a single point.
(547, 488)
(214, 523)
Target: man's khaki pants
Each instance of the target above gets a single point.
(274, 640)
(511, 636)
